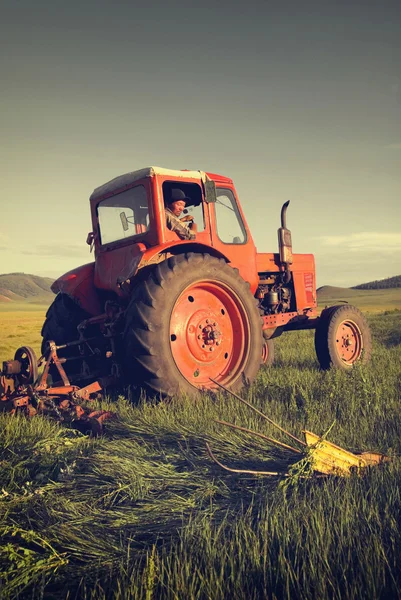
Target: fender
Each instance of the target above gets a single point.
(154, 256)
(79, 285)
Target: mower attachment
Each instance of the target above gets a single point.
(23, 391)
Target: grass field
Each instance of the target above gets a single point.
(366, 300)
(21, 323)
(20, 326)
(142, 512)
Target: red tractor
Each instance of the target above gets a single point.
(172, 313)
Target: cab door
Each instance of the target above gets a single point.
(125, 229)
(231, 236)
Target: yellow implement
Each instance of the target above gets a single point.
(332, 460)
(323, 456)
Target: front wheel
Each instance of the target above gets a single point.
(342, 338)
(193, 320)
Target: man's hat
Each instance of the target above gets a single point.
(176, 195)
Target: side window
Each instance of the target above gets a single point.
(230, 227)
(123, 215)
(193, 206)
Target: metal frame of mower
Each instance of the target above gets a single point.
(23, 390)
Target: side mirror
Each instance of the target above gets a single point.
(90, 240)
(124, 221)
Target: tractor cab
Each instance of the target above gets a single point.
(130, 227)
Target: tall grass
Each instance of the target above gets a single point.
(20, 325)
(142, 512)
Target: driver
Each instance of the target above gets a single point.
(175, 206)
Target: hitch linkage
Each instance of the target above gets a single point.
(22, 390)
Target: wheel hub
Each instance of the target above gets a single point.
(349, 342)
(210, 333)
(204, 335)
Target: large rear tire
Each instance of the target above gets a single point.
(342, 338)
(62, 320)
(193, 319)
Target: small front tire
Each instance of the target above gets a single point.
(342, 338)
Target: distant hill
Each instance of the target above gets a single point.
(21, 287)
(380, 284)
(367, 300)
(331, 290)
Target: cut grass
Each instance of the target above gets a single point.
(142, 512)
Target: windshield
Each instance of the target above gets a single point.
(123, 215)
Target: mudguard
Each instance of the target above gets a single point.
(79, 285)
(163, 251)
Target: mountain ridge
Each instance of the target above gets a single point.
(380, 284)
(23, 287)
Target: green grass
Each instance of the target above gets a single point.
(20, 326)
(142, 512)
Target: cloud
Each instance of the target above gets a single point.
(58, 249)
(52, 274)
(368, 241)
(4, 241)
(357, 257)
(396, 146)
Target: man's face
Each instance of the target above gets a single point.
(177, 207)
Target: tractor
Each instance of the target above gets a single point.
(175, 315)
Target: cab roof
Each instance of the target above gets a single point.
(125, 181)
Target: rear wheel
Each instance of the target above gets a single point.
(194, 319)
(62, 320)
(342, 338)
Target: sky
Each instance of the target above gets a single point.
(292, 100)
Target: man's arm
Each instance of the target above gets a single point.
(175, 225)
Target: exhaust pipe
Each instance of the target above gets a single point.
(285, 243)
(284, 215)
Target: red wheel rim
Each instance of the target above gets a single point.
(209, 334)
(265, 353)
(349, 342)
(29, 365)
